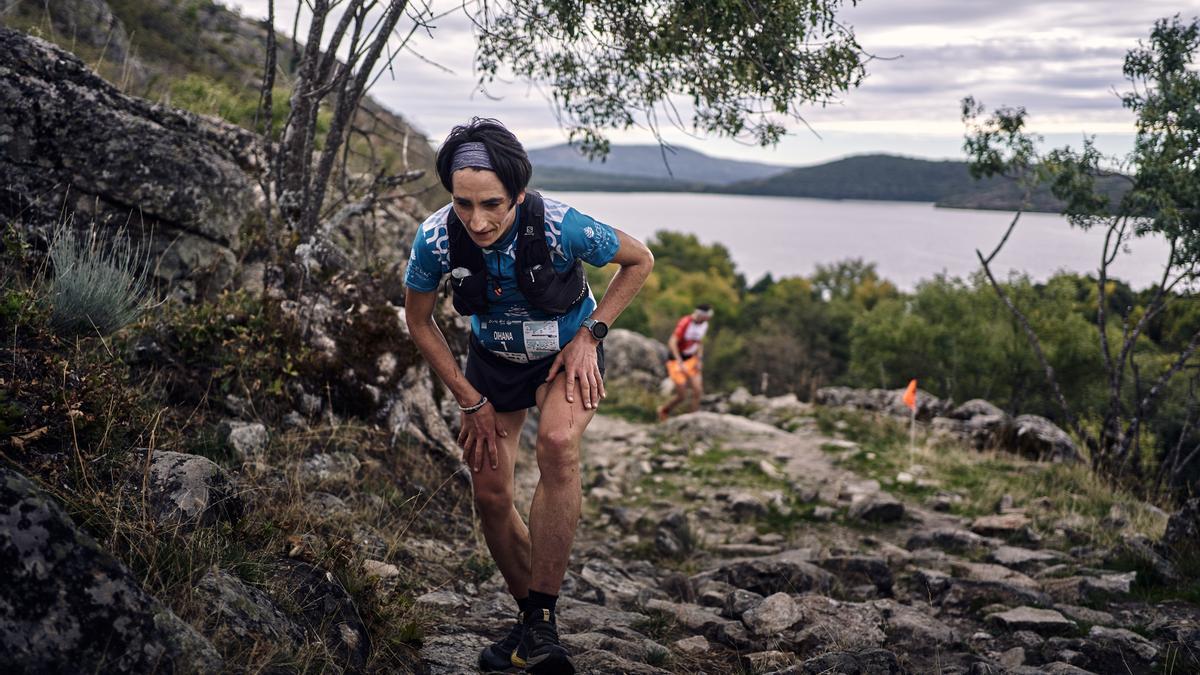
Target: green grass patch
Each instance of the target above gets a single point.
(631, 402)
(207, 443)
(658, 625)
(714, 458)
(785, 522)
(1151, 588)
(1049, 492)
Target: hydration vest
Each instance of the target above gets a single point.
(542, 285)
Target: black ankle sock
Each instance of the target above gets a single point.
(538, 601)
(523, 604)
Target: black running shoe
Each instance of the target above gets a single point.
(507, 653)
(543, 654)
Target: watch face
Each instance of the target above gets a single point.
(599, 330)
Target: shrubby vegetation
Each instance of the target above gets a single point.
(844, 325)
(1163, 200)
(1110, 363)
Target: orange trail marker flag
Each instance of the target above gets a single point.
(910, 395)
(910, 400)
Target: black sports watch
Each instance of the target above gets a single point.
(598, 329)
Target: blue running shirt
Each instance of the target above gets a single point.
(512, 328)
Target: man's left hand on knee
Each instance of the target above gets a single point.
(580, 362)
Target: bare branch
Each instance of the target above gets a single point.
(266, 122)
(1160, 385)
(1004, 239)
(1102, 317)
(1036, 344)
(1156, 305)
(347, 103)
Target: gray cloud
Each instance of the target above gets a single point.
(1110, 16)
(1061, 60)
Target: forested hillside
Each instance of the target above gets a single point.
(664, 164)
(947, 183)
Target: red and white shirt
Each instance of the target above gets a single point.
(689, 334)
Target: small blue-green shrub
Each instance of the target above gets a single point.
(95, 286)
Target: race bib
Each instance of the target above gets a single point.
(541, 338)
(515, 357)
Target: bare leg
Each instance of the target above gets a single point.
(554, 514)
(506, 535)
(677, 397)
(696, 387)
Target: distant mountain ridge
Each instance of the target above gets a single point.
(947, 183)
(886, 177)
(668, 165)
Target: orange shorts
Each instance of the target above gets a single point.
(680, 374)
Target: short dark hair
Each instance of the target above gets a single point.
(508, 156)
(704, 307)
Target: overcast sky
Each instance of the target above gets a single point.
(1061, 59)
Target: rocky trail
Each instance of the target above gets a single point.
(716, 543)
(322, 523)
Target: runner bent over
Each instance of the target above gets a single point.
(536, 339)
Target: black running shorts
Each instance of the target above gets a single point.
(510, 386)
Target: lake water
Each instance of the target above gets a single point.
(907, 241)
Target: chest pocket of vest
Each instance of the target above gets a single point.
(470, 294)
(552, 291)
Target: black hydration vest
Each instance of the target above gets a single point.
(545, 288)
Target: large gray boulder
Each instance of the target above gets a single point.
(879, 507)
(775, 613)
(828, 624)
(976, 407)
(240, 616)
(246, 440)
(635, 357)
(188, 491)
(325, 608)
(1183, 530)
(72, 146)
(789, 572)
(1038, 438)
(66, 605)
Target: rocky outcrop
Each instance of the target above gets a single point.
(91, 23)
(1183, 530)
(980, 423)
(325, 609)
(72, 146)
(68, 606)
(635, 358)
(1038, 438)
(785, 412)
(889, 401)
(240, 616)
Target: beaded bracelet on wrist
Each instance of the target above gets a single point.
(470, 410)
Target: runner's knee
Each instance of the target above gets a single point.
(557, 453)
(493, 499)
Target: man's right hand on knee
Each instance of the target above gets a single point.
(478, 437)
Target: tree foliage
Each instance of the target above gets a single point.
(743, 69)
(1163, 201)
(739, 68)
